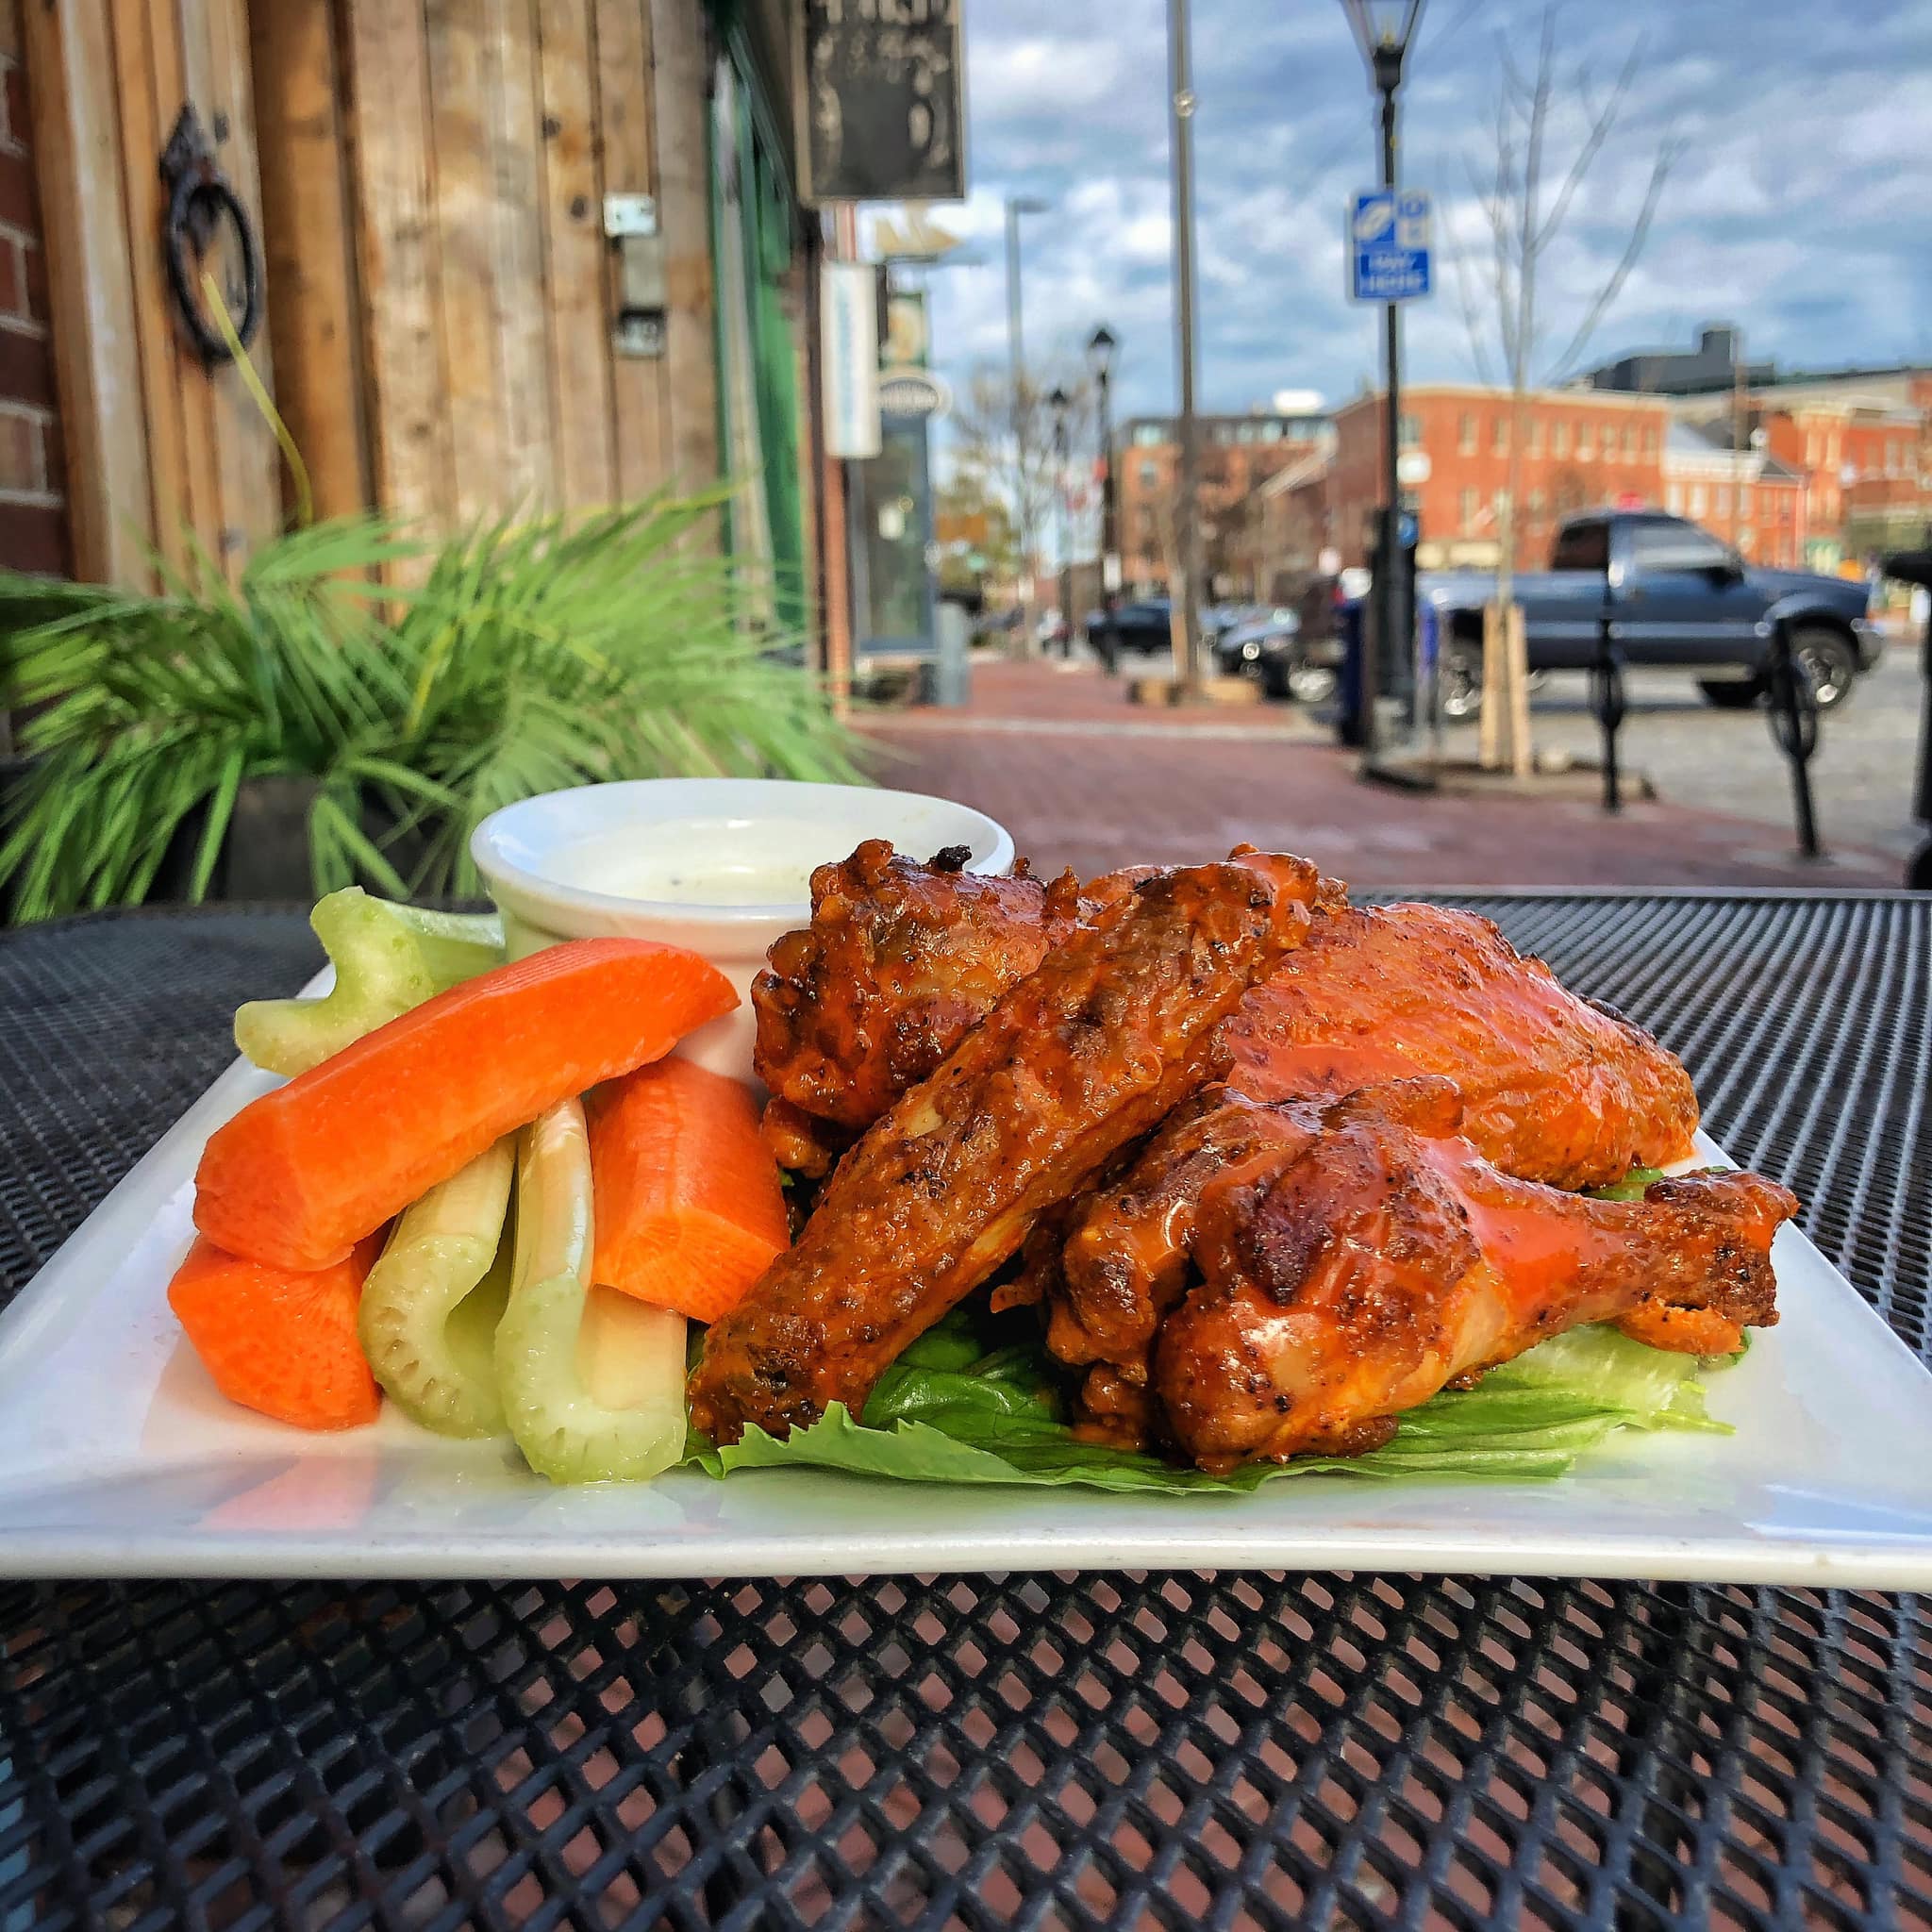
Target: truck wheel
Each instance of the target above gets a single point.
(1734, 694)
(1312, 684)
(1830, 663)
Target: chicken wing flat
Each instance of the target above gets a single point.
(1369, 1256)
(899, 961)
(1554, 1090)
(1112, 1030)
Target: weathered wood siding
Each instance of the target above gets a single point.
(160, 453)
(445, 163)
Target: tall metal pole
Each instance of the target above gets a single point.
(1016, 365)
(1181, 105)
(1061, 449)
(1109, 541)
(1018, 205)
(1381, 635)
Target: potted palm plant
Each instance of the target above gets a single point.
(316, 725)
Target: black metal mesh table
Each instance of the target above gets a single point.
(970, 1751)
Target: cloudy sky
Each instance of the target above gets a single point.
(1802, 206)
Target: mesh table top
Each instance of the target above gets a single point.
(976, 1752)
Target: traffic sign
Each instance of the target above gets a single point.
(1388, 256)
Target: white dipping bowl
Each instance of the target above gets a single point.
(721, 865)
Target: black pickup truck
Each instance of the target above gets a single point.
(1678, 598)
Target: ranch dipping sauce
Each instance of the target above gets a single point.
(722, 866)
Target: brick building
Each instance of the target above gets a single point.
(1749, 498)
(1582, 448)
(33, 511)
(1237, 453)
(1859, 440)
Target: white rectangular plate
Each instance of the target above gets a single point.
(118, 1457)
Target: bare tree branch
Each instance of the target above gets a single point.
(1639, 232)
(1601, 123)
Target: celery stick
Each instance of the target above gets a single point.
(593, 1380)
(431, 1303)
(388, 958)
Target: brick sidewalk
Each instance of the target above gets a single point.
(1083, 778)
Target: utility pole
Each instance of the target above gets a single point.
(1018, 205)
(1181, 128)
(1741, 433)
(1061, 402)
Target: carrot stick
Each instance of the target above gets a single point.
(300, 1175)
(276, 1340)
(690, 1211)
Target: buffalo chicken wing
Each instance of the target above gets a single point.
(1106, 1035)
(1366, 1256)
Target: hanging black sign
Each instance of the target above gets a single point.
(880, 102)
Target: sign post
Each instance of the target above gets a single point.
(1389, 261)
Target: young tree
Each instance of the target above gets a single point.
(1527, 192)
(1007, 446)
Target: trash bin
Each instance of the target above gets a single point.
(1349, 618)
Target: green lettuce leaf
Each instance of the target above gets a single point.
(965, 1404)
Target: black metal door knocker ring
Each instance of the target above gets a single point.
(200, 199)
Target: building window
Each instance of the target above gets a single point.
(1271, 432)
(1150, 473)
(1586, 443)
(1721, 500)
(1499, 436)
(1743, 499)
(1468, 504)
(1697, 500)
(1465, 434)
(1146, 435)
(1536, 503)
(1673, 498)
(1747, 541)
(1629, 440)
(1411, 432)
(1560, 439)
(1650, 442)
(1831, 449)
(1534, 441)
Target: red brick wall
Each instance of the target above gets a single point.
(1466, 433)
(33, 511)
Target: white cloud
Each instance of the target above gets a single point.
(1797, 209)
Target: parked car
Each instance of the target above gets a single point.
(1275, 649)
(1141, 626)
(1679, 598)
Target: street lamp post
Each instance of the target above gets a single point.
(1181, 132)
(1384, 30)
(1100, 345)
(1018, 205)
(1061, 402)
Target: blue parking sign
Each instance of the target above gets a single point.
(1389, 245)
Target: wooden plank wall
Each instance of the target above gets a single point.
(157, 449)
(474, 148)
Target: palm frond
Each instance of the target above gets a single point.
(532, 655)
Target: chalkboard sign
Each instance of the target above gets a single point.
(879, 100)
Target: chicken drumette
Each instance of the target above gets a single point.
(1364, 1255)
(900, 959)
(1080, 1058)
